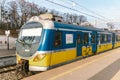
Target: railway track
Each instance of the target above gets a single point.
(8, 60)
(7, 63)
(7, 69)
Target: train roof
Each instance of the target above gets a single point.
(48, 24)
(76, 27)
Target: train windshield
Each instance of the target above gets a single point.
(30, 36)
(30, 33)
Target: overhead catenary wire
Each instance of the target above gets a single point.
(76, 10)
(81, 6)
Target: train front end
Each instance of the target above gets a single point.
(29, 57)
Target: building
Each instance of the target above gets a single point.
(3, 42)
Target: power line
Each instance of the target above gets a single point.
(76, 10)
(88, 9)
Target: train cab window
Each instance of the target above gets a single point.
(78, 39)
(58, 39)
(86, 38)
(93, 38)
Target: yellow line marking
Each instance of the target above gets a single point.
(117, 76)
(55, 77)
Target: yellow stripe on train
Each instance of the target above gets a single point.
(54, 58)
(117, 44)
(58, 57)
(104, 47)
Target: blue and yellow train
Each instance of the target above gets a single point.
(43, 44)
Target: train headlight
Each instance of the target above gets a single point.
(38, 57)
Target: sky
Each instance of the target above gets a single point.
(107, 8)
(110, 9)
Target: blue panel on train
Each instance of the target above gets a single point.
(94, 41)
(46, 38)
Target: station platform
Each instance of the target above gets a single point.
(104, 66)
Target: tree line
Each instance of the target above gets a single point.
(16, 13)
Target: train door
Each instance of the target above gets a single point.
(94, 42)
(113, 40)
(79, 43)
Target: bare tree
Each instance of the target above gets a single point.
(13, 14)
(2, 12)
(110, 25)
(21, 10)
(73, 18)
(43, 10)
(54, 12)
(33, 9)
(82, 19)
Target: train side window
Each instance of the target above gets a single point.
(93, 38)
(105, 38)
(109, 38)
(118, 37)
(86, 38)
(100, 38)
(58, 39)
(78, 39)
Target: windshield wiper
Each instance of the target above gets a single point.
(20, 41)
(23, 42)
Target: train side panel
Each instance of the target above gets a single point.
(104, 42)
(117, 40)
(62, 44)
(63, 49)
